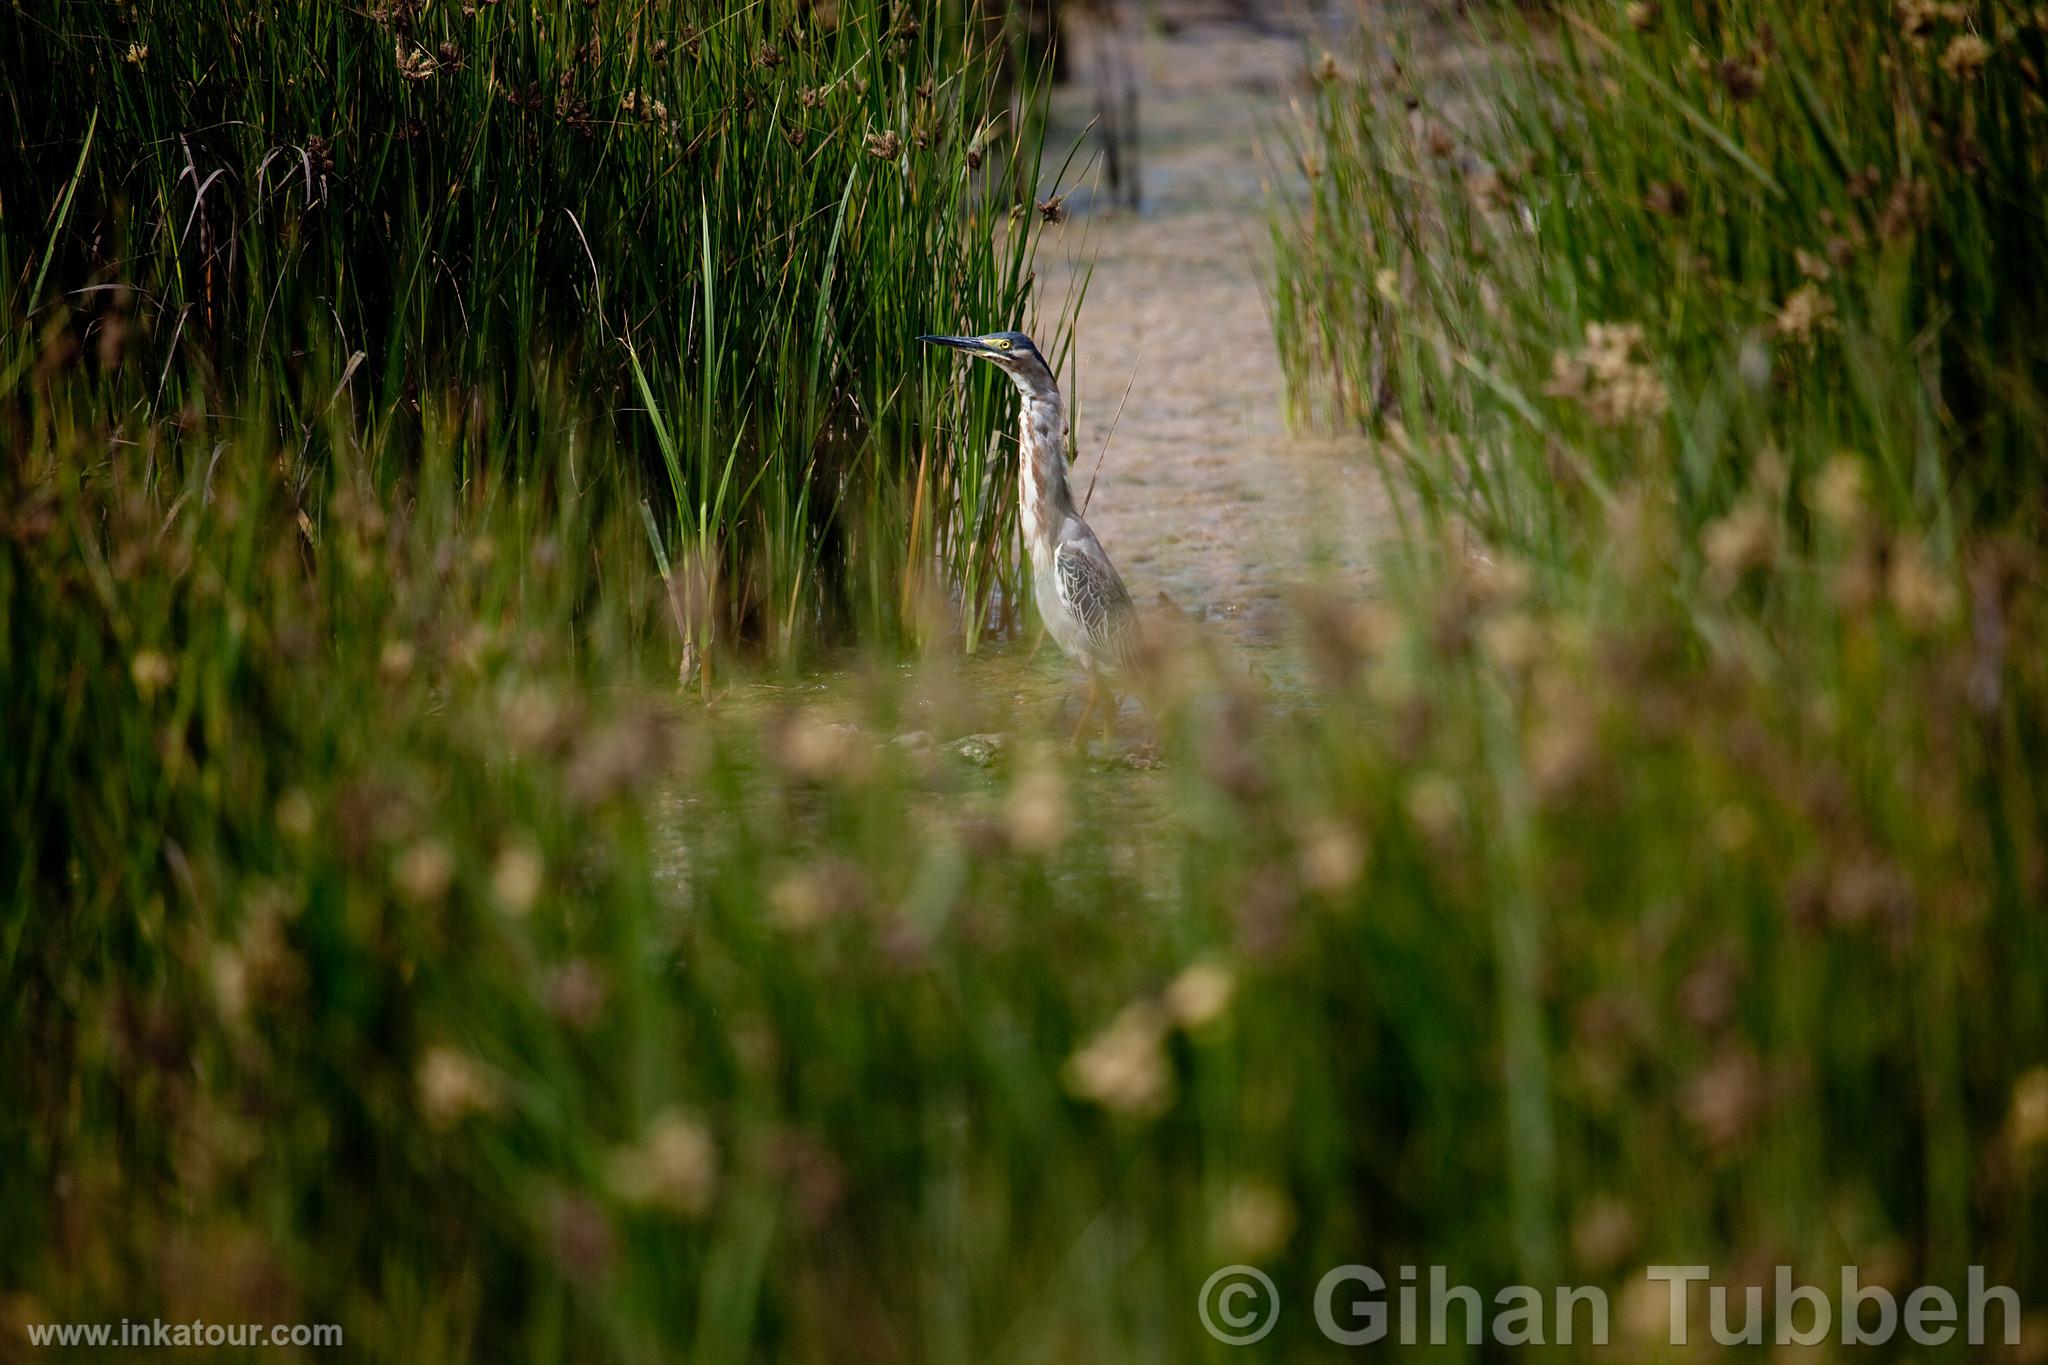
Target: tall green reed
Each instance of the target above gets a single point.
(1814, 222)
(727, 226)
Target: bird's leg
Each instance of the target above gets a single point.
(1087, 712)
(1109, 713)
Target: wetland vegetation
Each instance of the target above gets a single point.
(1650, 868)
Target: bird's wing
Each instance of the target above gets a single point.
(1089, 587)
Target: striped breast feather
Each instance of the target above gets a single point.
(1089, 588)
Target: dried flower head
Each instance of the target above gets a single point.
(414, 65)
(1924, 598)
(1435, 806)
(644, 107)
(1806, 312)
(884, 146)
(1965, 56)
(516, 877)
(1124, 1068)
(1254, 1222)
(1331, 857)
(452, 1086)
(1200, 994)
(424, 872)
(1609, 378)
(395, 664)
(804, 897)
(1905, 209)
(812, 748)
(1036, 811)
(1838, 493)
(1744, 539)
(1918, 18)
(673, 1168)
(151, 672)
(1742, 80)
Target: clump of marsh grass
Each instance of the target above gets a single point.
(726, 231)
(1709, 323)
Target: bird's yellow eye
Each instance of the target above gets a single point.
(1002, 345)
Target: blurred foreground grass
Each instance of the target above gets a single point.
(1655, 875)
(1714, 333)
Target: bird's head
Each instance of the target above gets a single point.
(1012, 353)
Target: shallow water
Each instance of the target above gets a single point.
(1203, 494)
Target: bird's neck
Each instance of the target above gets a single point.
(1044, 502)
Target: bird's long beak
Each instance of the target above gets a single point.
(957, 343)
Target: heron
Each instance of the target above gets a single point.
(1081, 598)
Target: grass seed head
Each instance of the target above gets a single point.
(673, 1168)
(424, 872)
(1744, 539)
(1124, 1069)
(1838, 494)
(1331, 856)
(1965, 56)
(1742, 80)
(1200, 995)
(453, 1086)
(395, 665)
(516, 877)
(151, 672)
(1806, 312)
(1254, 1223)
(1035, 812)
(1924, 598)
